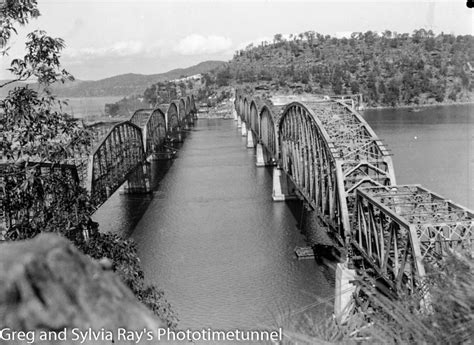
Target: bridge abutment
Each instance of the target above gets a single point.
(281, 190)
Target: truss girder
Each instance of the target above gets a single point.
(188, 106)
(154, 132)
(193, 108)
(140, 117)
(182, 111)
(305, 155)
(246, 110)
(172, 118)
(240, 107)
(267, 133)
(253, 115)
(346, 174)
(438, 224)
(388, 244)
(331, 144)
(118, 154)
(152, 122)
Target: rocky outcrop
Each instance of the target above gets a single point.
(46, 284)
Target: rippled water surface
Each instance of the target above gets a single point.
(216, 243)
(433, 147)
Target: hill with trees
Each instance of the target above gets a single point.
(120, 85)
(389, 69)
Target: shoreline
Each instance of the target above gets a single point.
(407, 106)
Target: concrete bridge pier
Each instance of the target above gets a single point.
(263, 158)
(281, 190)
(244, 129)
(138, 181)
(239, 122)
(343, 292)
(163, 154)
(179, 136)
(250, 139)
(234, 115)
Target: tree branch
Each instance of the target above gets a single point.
(11, 82)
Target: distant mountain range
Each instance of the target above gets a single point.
(121, 85)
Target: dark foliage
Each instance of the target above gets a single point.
(389, 69)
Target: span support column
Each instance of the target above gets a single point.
(244, 129)
(138, 181)
(263, 158)
(281, 191)
(179, 135)
(250, 140)
(234, 114)
(239, 122)
(344, 292)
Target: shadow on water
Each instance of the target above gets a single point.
(121, 212)
(326, 256)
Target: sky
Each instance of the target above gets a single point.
(110, 37)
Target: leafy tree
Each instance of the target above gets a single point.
(277, 38)
(355, 88)
(35, 132)
(223, 77)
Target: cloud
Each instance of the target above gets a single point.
(119, 49)
(122, 48)
(197, 44)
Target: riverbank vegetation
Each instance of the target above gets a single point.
(447, 319)
(37, 136)
(388, 69)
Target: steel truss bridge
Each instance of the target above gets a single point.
(119, 154)
(326, 154)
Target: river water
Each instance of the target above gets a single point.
(433, 147)
(212, 238)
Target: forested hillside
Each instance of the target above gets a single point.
(389, 69)
(120, 85)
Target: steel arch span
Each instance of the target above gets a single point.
(153, 125)
(253, 117)
(188, 106)
(172, 118)
(193, 107)
(268, 130)
(182, 112)
(119, 154)
(328, 151)
(246, 111)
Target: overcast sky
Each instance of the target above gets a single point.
(106, 37)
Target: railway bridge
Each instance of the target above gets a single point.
(119, 154)
(324, 153)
